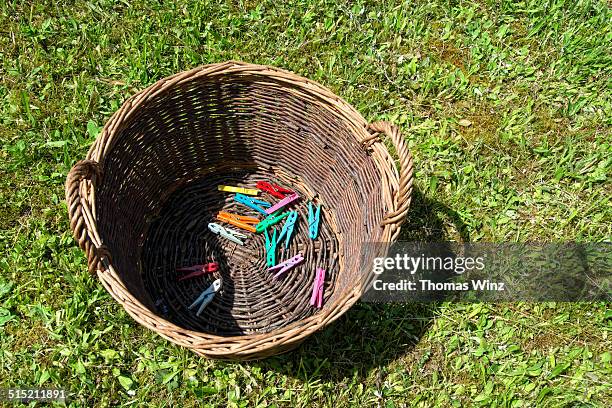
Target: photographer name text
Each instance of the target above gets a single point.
(426, 285)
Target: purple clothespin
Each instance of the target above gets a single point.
(287, 200)
(285, 266)
(316, 299)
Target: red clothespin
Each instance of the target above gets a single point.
(198, 270)
(274, 189)
(316, 299)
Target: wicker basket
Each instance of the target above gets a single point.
(139, 204)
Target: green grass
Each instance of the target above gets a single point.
(507, 108)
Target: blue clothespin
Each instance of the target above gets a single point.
(288, 228)
(161, 306)
(313, 220)
(207, 296)
(285, 266)
(270, 248)
(252, 203)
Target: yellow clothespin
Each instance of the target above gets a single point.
(232, 189)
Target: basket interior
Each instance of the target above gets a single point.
(159, 192)
(250, 300)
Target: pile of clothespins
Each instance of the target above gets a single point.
(273, 216)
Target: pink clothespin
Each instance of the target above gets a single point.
(285, 266)
(198, 270)
(287, 200)
(316, 299)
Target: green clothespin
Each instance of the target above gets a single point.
(268, 222)
(270, 249)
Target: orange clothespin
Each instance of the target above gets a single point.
(240, 221)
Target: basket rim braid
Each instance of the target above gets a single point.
(81, 201)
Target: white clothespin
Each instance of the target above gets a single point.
(228, 233)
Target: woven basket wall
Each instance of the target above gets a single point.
(140, 202)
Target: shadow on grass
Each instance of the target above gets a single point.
(370, 336)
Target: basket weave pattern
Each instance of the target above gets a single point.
(140, 202)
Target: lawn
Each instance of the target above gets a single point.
(507, 108)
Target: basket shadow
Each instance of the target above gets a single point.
(173, 177)
(370, 336)
(179, 237)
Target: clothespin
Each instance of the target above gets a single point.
(252, 203)
(207, 296)
(313, 220)
(160, 304)
(271, 220)
(274, 189)
(288, 228)
(232, 189)
(240, 221)
(287, 200)
(198, 270)
(285, 266)
(228, 233)
(270, 249)
(317, 288)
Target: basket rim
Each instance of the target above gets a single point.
(83, 213)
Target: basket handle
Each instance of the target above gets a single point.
(80, 213)
(403, 195)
